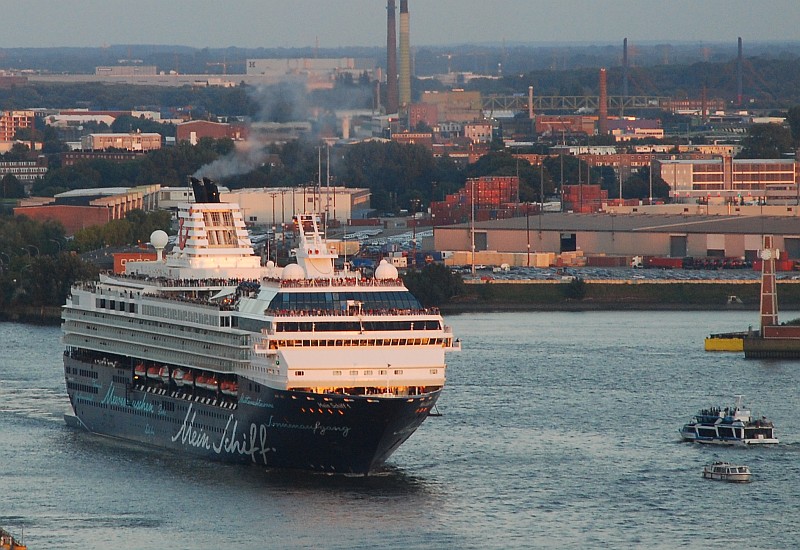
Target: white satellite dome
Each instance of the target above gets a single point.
(385, 271)
(293, 272)
(159, 238)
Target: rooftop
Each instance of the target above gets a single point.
(644, 223)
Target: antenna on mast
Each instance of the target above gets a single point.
(327, 187)
(317, 193)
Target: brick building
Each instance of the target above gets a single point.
(422, 138)
(427, 113)
(567, 124)
(728, 180)
(134, 141)
(25, 171)
(194, 130)
(478, 132)
(71, 158)
(82, 208)
(11, 121)
(456, 105)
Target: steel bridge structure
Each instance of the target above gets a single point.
(558, 103)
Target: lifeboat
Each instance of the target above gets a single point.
(188, 378)
(140, 370)
(200, 380)
(163, 373)
(177, 377)
(152, 372)
(212, 383)
(229, 387)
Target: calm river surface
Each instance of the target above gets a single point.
(558, 430)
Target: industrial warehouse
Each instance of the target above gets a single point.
(610, 239)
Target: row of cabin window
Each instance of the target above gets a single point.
(114, 305)
(275, 344)
(338, 300)
(335, 326)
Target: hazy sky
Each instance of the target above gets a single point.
(334, 23)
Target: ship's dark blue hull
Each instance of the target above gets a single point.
(276, 428)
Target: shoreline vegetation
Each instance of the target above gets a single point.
(558, 296)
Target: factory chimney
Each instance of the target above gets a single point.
(530, 102)
(625, 68)
(739, 61)
(391, 58)
(602, 107)
(405, 57)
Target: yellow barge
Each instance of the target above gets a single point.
(727, 341)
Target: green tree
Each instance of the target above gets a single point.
(143, 224)
(766, 141)
(128, 123)
(19, 152)
(793, 119)
(395, 173)
(638, 186)
(434, 284)
(50, 279)
(11, 187)
(136, 228)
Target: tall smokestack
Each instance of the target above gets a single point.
(625, 68)
(602, 119)
(405, 56)
(391, 58)
(530, 102)
(739, 61)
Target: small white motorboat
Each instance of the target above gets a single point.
(725, 471)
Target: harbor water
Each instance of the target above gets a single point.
(557, 430)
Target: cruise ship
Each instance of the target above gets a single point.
(210, 351)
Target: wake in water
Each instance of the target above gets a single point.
(45, 404)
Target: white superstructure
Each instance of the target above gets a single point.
(210, 304)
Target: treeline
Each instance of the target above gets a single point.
(38, 264)
(168, 166)
(195, 101)
(399, 176)
(767, 83)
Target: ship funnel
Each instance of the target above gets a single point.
(212, 192)
(199, 190)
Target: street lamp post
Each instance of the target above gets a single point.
(541, 198)
(275, 243)
(414, 203)
(561, 187)
(472, 225)
(273, 195)
(528, 230)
